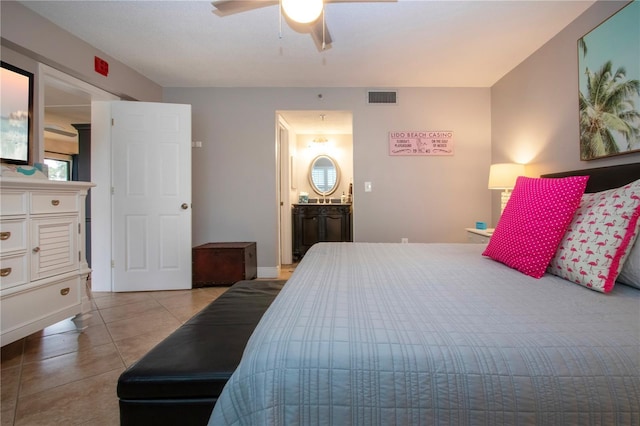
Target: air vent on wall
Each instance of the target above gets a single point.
(383, 97)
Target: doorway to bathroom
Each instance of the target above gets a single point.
(301, 137)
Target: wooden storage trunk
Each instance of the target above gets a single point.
(223, 263)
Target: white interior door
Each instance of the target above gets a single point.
(284, 167)
(151, 196)
(284, 189)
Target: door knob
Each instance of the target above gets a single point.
(184, 206)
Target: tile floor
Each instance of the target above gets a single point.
(59, 376)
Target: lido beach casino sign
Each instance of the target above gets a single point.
(428, 142)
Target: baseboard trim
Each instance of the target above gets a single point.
(268, 271)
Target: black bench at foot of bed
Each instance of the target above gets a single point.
(179, 380)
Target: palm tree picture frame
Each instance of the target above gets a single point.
(609, 80)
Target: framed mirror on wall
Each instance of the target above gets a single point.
(324, 175)
(16, 111)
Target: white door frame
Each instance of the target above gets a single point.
(101, 197)
(284, 172)
(101, 238)
(100, 235)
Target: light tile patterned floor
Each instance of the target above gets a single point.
(59, 376)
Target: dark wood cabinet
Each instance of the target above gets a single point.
(223, 263)
(313, 223)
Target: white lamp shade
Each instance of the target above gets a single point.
(302, 11)
(504, 175)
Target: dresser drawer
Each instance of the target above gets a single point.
(13, 203)
(13, 271)
(22, 308)
(13, 236)
(53, 203)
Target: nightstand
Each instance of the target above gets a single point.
(479, 236)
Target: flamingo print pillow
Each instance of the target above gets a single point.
(599, 238)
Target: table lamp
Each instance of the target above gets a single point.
(503, 176)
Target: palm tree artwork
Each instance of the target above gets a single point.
(606, 109)
(609, 97)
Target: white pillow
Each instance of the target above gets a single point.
(630, 274)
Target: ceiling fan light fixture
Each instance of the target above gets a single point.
(303, 11)
(320, 139)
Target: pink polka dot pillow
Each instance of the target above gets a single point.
(534, 221)
(600, 238)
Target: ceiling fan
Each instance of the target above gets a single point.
(302, 15)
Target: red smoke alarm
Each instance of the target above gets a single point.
(101, 66)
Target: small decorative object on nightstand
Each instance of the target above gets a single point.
(479, 236)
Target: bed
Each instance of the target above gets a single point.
(409, 334)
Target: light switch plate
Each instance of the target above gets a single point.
(367, 187)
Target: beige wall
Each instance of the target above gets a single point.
(426, 199)
(534, 108)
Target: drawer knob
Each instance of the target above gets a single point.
(55, 202)
(64, 291)
(5, 272)
(5, 235)
(36, 250)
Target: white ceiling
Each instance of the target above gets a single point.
(408, 43)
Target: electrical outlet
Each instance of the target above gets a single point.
(404, 240)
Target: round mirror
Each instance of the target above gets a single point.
(324, 175)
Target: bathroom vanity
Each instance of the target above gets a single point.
(322, 218)
(314, 223)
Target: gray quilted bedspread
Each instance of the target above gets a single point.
(436, 334)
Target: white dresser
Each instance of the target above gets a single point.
(43, 269)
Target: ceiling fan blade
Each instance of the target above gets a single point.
(230, 7)
(322, 39)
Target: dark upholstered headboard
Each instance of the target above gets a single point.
(603, 178)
